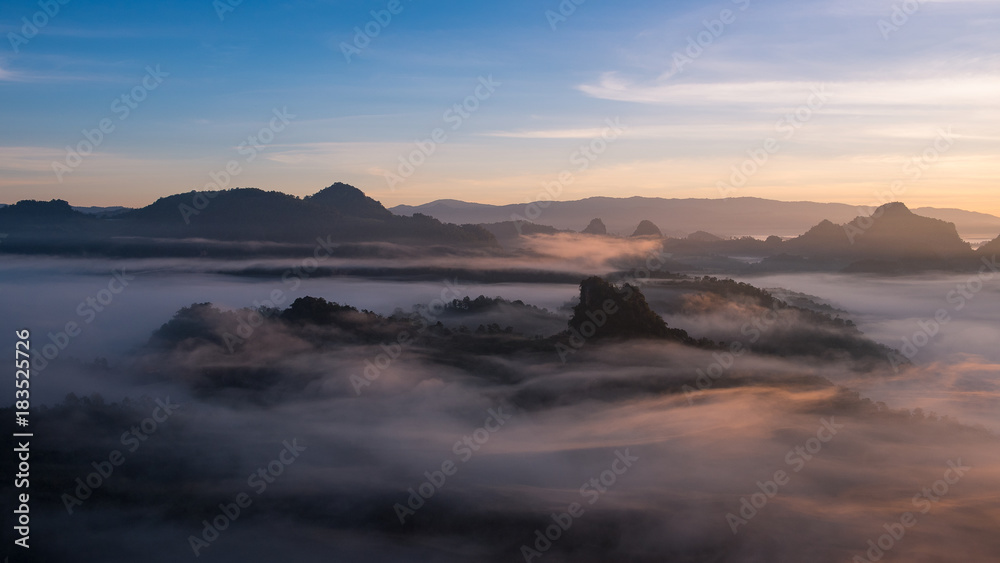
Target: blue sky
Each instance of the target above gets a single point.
(889, 96)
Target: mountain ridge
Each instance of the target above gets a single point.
(339, 213)
(679, 217)
(892, 231)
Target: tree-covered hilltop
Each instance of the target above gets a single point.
(609, 311)
(252, 353)
(483, 303)
(765, 324)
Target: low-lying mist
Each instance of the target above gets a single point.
(472, 438)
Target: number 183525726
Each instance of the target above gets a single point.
(22, 377)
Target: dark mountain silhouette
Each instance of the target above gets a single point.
(596, 227)
(337, 214)
(892, 240)
(824, 238)
(42, 219)
(225, 215)
(608, 311)
(896, 229)
(252, 222)
(991, 248)
(646, 228)
(892, 232)
(350, 201)
(46, 211)
(702, 236)
(724, 217)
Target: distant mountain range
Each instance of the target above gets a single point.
(891, 240)
(338, 214)
(252, 222)
(680, 217)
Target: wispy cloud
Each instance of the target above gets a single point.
(688, 130)
(973, 90)
(28, 159)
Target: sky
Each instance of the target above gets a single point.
(853, 101)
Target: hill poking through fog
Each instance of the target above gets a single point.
(375, 406)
